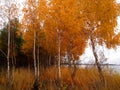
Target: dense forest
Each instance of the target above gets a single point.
(39, 49)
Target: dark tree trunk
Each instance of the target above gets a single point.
(38, 61)
(97, 61)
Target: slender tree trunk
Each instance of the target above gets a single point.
(13, 54)
(38, 60)
(34, 54)
(74, 68)
(12, 47)
(14, 60)
(69, 52)
(50, 60)
(3, 53)
(59, 55)
(97, 61)
(8, 53)
(69, 58)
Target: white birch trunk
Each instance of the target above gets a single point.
(59, 51)
(34, 54)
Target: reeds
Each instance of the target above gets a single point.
(85, 79)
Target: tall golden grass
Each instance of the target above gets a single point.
(85, 79)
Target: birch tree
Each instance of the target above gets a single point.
(99, 24)
(29, 22)
(33, 24)
(8, 12)
(64, 16)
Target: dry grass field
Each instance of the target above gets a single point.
(84, 79)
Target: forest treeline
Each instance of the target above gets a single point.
(52, 31)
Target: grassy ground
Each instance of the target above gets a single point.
(84, 79)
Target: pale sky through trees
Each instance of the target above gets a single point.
(75, 44)
(112, 55)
